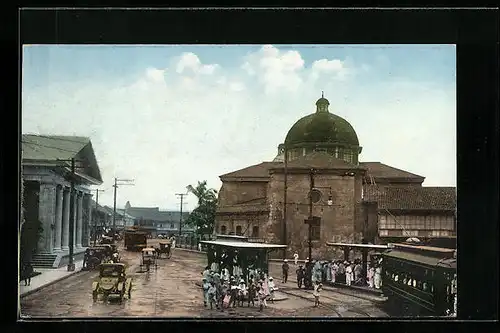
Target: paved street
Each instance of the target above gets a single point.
(171, 291)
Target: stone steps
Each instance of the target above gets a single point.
(42, 260)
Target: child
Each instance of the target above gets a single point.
(212, 294)
(242, 292)
(272, 288)
(316, 293)
(252, 290)
(205, 286)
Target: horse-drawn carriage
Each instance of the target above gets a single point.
(165, 247)
(112, 282)
(148, 260)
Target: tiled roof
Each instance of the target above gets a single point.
(412, 197)
(155, 214)
(380, 170)
(260, 170)
(52, 147)
(47, 149)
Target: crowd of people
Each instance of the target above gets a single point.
(337, 271)
(223, 290)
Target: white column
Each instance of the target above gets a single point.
(79, 220)
(59, 215)
(65, 223)
(88, 221)
(46, 214)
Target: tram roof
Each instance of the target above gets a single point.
(424, 248)
(369, 246)
(421, 259)
(240, 244)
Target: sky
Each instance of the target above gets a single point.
(168, 116)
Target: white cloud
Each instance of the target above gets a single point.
(190, 61)
(155, 74)
(276, 70)
(168, 131)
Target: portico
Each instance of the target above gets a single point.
(48, 179)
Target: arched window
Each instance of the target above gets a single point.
(238, 230)
(223, 230)
(255, 231)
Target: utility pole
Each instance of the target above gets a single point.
(285, 240)
(71, 265)
(97, 213)
(124, 182)
(311, 177)
(181, 195)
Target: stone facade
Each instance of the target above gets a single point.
(54, 211)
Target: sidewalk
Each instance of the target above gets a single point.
(47, 277)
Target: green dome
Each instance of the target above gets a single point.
(322, 127)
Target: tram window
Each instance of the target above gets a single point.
(238, 230)
(223, 230)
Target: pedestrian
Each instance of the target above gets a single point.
(252, 291)
(285, 269)
(296, 258)
(348, 274)
(199, 247)
(262, 296)
(212, 295)
(454, 293)
(370, 275)
(329, 271)
(317, 289)
(206, 287)
(378, 277)
(272, 288)
(28, 271)
(300, 276)
(242, 292)
(233, 292)
(358, 272)
(334, 268)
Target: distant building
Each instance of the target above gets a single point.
(46, 172)
(158, 221)
(355, 200)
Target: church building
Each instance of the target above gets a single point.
(317, 172)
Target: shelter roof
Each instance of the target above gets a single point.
(241, 244)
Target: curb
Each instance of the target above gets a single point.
(48, 284)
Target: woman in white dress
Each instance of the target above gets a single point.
(348, 274)
(378, 277)
(370, 276)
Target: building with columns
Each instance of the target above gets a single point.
(46, 170)
(356, 200)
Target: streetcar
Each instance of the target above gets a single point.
(239, 256)
(418, 279)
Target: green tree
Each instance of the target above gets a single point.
(203, 216)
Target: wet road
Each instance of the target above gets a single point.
(171, 291)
